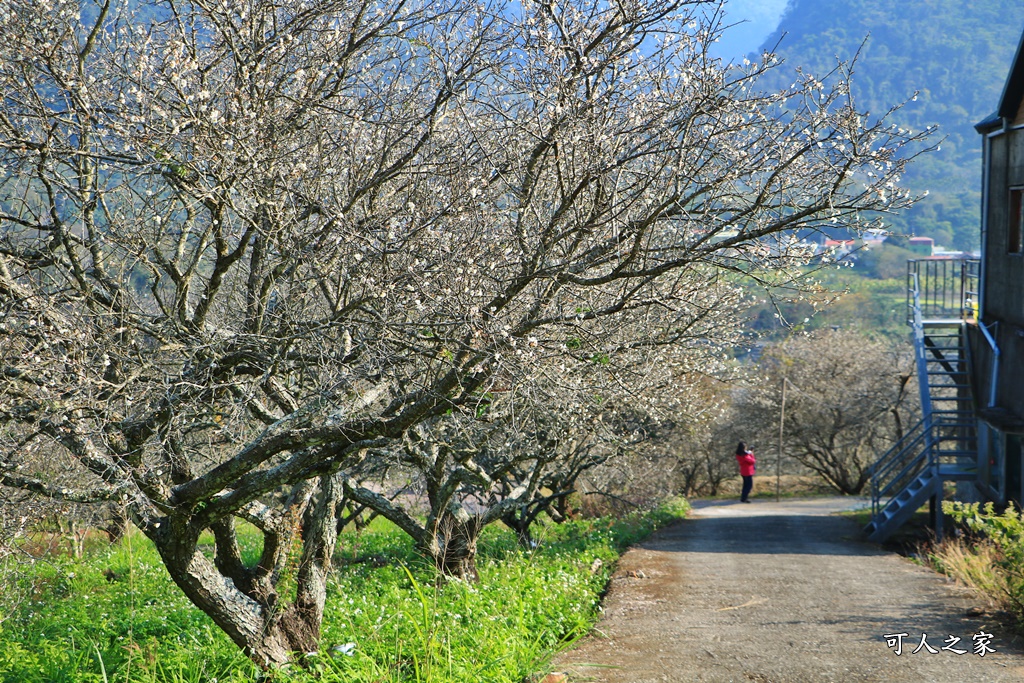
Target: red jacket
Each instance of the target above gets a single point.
(746, 462)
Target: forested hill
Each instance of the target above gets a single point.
(955, 54)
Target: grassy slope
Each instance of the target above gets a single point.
(872, 305)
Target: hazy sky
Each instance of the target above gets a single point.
(759, 17)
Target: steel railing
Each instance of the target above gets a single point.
(946, 288)
(900, 465)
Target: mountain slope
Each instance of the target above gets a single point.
(954, 55)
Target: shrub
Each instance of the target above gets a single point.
(996, 564)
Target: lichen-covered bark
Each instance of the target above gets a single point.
(247, 622)
(244, 601)
(454, 545)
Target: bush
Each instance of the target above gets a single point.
(995, 565)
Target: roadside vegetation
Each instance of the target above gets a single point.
(114, 615)
(990, 557)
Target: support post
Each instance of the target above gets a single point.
(778, 459)
(935, 513)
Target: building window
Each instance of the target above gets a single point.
(1015, 244)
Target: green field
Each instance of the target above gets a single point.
(116, 616)
(850, 298)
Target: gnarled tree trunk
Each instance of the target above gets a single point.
(454, 544)
(244, 601)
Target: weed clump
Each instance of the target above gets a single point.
(991, 558)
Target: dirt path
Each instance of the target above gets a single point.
(780, 593)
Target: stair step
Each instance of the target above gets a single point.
(899, 508)
(959, 475)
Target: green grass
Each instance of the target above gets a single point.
(872, 305)
(397, 621)
(861, 517)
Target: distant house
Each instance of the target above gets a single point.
(942, 252)
(874, 237)
(839, 248)
(921, 245)
(968, 321)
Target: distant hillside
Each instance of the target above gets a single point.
(955, 54)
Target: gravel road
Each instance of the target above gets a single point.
(779, 593)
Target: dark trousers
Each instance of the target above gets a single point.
(748, 483)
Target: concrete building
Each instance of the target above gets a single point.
(997, 341)
(967, 317)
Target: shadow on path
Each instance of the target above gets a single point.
(784, 592)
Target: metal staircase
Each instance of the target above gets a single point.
(941, 447)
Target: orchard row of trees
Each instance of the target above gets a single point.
(257, 258)
(849, 398)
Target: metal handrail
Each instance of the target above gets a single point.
(995, 362)
(910, 451)
(880, 468)
(951, 296)
(921, 361)
(918, 444)
(947, 288)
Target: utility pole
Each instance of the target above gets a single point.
(778, 459)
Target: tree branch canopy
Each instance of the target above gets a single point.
(245, 247)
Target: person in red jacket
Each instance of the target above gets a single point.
(746, 462)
